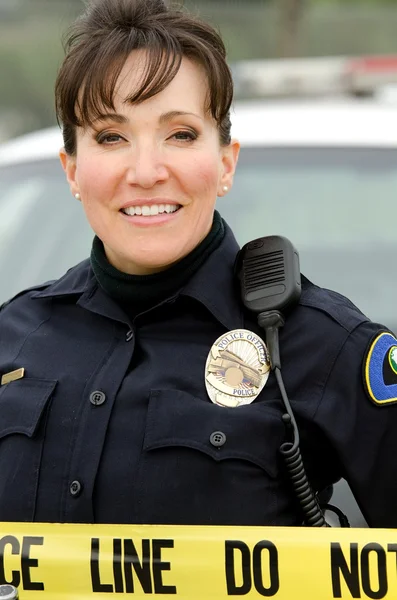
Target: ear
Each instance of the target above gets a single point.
(230, 155)
(68, 163)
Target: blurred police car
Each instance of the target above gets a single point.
(322, 173)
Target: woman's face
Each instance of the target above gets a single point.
(149, 174)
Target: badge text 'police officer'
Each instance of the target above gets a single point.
(237, 368)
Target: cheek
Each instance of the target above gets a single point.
(95, 189)
(201, 175)
(93, 179)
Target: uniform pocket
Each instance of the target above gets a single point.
(202, 463)
(250, 433)
(22, 424)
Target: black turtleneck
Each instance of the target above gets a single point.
(136, 293)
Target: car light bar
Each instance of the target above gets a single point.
(319, 76)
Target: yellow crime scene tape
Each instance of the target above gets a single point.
(201, 563)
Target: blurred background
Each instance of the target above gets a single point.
(31, 48)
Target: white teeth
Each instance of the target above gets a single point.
(153, 210)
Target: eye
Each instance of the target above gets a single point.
(185, 136)
(108, 138)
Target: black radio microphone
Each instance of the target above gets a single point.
(269, 275)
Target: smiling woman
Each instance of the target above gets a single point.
(148, 175)
(137, 388)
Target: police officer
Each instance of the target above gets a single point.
(137, 388)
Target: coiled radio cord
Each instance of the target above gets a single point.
(271, 321)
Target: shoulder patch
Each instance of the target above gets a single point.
(380, 369)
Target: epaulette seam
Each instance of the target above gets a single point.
(363, 319)
(42, 286)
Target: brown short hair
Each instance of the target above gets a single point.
(101, 40)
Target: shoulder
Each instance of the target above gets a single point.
(26, 292)
(340, 319)
(326, 334)
(72, 282)
(324, 320)
(328, 305)
(27, 311)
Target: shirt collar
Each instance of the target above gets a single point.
(74, 282)
(81, 284)
(213, 285)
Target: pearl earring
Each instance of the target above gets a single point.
(77, 196)
(225, 188)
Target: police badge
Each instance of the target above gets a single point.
(237, 368)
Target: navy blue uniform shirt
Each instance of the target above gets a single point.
(112, 422)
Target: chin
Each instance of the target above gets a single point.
(145, 255)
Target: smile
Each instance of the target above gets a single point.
(149, 211)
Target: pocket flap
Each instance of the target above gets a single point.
(22, 403)
(253, 432)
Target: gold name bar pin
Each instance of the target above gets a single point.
(12, 376)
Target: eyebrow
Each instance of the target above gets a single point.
(168, 116)
(116, 117)
(164, 118)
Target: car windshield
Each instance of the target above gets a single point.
(335, 205)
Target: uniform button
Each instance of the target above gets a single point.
(97, 398)
(129, 335)
(217, 439)
(75, 488)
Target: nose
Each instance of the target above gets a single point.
(147, 167)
